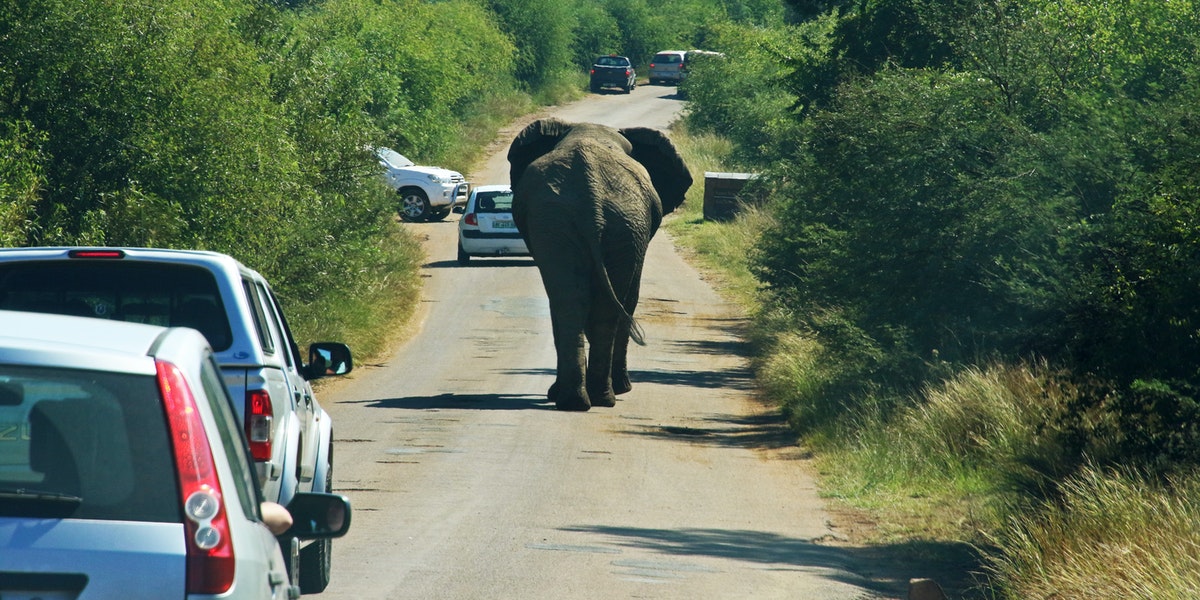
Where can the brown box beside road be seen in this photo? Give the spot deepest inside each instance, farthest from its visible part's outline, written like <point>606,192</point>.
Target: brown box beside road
<point>721,192</point>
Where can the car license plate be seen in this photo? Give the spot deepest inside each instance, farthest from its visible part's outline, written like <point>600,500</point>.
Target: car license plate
<point>504,225</point>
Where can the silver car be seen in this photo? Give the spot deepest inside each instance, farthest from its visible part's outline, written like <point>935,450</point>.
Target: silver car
<point>290,434</point>
<point>124,473</point>
<point>667,67</point>
<point>487,227</point>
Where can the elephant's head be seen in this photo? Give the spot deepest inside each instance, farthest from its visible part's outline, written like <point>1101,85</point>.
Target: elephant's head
<point>649,147</point>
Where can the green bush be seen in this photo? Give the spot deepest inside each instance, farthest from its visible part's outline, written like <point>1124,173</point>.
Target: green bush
<point>21,180</point>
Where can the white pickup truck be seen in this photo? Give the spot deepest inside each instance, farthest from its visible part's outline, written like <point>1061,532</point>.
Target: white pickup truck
<point>426,193</point>
<point>288,433</point>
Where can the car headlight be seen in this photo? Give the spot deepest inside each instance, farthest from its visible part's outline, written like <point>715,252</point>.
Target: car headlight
<point>438,178</point>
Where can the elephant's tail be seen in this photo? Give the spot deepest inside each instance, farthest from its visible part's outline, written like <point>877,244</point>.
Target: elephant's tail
<point>635,329</point>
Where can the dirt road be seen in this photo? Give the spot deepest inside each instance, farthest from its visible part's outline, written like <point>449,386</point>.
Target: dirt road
<point>466,482</point>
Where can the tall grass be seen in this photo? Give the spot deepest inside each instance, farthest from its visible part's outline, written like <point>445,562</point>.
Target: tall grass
<point>364,319</point>
<point>1113,534</point>
<point>713,243</point>
<point>982,456</point>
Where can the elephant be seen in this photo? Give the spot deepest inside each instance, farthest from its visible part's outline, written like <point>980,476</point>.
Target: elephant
<point>587,199</point>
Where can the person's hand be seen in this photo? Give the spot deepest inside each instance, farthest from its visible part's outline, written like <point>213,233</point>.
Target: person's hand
<point>276,517</point>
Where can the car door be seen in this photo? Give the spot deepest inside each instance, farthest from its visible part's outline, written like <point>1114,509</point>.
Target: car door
<point>261,562</point>
<point>279,480</point>
<point>306,405</point>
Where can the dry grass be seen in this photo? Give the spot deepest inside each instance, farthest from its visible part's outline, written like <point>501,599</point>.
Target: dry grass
<point>1114,534</point>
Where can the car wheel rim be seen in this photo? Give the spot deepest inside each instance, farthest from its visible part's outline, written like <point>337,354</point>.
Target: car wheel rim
<point>412,206</point>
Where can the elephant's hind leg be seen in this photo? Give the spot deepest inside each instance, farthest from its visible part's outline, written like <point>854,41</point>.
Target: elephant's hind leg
<point>600,333</point>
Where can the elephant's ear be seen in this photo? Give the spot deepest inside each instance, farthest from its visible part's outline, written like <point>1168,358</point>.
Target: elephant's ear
<point>668,173</point>
<point>538,138</point>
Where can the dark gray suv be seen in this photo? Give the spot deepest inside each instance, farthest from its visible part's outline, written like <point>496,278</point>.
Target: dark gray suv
<point>613,71</point>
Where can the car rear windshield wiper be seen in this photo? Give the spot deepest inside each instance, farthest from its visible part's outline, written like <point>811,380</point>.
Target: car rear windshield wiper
<point>27,495</point>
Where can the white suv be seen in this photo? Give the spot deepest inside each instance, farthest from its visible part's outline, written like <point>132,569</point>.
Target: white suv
<point>290,436</point>
<point>426,193</point>
<point>123,471</point>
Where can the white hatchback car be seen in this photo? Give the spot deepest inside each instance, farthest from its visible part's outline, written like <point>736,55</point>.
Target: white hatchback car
<point>487,227</point>
<point>124,472</point>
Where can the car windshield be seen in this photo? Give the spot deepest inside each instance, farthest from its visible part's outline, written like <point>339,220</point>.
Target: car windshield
<point>168,295</point>
<point>612,61</point>
<point>84,444</point>
<point>494,202</point>
<point>667,58</point>
<point>394,158</point>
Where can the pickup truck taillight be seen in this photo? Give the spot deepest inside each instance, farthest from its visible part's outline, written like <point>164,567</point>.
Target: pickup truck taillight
<point>258,423</point>
<point>210,560</point>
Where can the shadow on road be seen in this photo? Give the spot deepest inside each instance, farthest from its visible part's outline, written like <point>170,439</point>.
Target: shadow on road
<point>462,401</point>
<point>890,565</point>
<point>767,431</point>
<point>480,263</point>
<point>731,379</point>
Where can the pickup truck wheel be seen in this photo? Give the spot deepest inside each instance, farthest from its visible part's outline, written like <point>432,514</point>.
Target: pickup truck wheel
<point>414,205</point>
<point>316,559</point>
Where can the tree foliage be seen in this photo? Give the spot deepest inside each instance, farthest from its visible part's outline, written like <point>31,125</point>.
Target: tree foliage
<point>972,179</point>
<point>246,126</point>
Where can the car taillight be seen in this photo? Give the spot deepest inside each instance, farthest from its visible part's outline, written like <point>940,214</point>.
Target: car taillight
<point>259,415</point>
<point>471,219</point>
<point>627,72</point>
<point>651,65</point>
<point>592,72</point>
<point>210,560</point>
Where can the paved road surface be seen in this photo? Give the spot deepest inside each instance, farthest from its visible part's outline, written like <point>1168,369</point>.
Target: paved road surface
<point>466,483</point>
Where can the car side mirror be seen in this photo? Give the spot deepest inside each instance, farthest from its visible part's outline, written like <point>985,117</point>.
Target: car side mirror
<point>318,516</point>
<point>328,358</point>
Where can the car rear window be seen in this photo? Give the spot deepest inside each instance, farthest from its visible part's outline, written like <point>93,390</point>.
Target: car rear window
<point>667,58</point>
<point>494,202</point>
<point>170,295</point>
<point>612,61</point>
<point>85,445</point>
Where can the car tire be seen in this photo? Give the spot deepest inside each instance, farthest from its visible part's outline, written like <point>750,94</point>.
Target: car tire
<point>414,205</point>
<point>464,259</point>
<point>316,559</point>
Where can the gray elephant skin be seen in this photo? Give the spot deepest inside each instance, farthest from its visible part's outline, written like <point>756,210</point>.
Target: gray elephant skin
<point>587,199</point>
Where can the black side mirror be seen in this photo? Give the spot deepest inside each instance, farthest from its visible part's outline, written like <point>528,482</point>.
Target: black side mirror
<point>318,516</point>
<point>328,358</point>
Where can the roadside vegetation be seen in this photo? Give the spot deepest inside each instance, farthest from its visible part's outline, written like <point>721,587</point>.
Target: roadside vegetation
<point>971,255</point>
<point>977,284</point>
<point>247,126</point>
